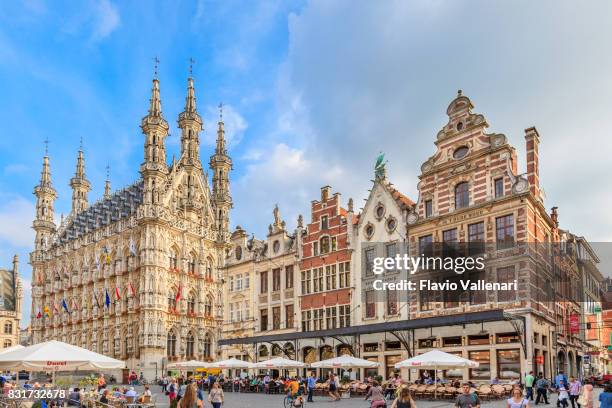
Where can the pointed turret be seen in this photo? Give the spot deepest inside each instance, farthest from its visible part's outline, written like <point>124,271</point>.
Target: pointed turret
<point>44,224</point>
<point>221,164</point>
<point>155,128</point>
<point>191,125</point>
<point>80,185</point>
<point>107,185</point>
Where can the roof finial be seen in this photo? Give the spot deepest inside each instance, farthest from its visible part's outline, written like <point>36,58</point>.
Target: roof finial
<point>220,111</point>
<point>81,144</point>
<point>46,141</point>
<point>107,171</point>
<point>107,186</point>
<point>459,93</point>
<point>156,61</point>
<point>191,62</point>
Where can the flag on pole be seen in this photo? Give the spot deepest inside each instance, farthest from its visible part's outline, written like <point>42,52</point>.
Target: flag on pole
<point>74,305</point>
<point>38,315</point>
<point>132,290</point>
<point>117,293</point>
<point>47,311</point>
<point>107,254</point>
<point>107,298</point>
<point>178,294</point>
<point>97,262</point>
<point>96,299</point>
<point>55,309</point>
<point>65,305</point>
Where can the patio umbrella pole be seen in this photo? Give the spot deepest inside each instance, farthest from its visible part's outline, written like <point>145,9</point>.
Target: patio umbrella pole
<point>436,382</point>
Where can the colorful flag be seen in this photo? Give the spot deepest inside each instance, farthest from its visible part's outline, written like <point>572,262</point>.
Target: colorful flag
<point>96,299</point>
<point>55,309</point>
<point>38,315</point>
<point>107,298</point>
<point>97,262</point>
<point>47,311</point>
<point>107,254</point>
<point>178,294</point>
<point>74,305</point>
<point>65,305</point>
<point>132,290</point>
<point>117,294</point>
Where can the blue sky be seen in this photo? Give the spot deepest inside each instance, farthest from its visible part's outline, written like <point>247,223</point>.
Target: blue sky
<point>313,91</point>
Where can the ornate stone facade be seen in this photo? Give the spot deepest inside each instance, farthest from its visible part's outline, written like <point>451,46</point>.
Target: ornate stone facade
<point>11,298</point>
<point>137,275</point>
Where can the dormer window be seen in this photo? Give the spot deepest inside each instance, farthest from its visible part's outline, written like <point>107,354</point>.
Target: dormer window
<point>238,253</point>
<point>459,126</point>
<point>460,152</point>
<point>380,211</point>
<point>276,246</point>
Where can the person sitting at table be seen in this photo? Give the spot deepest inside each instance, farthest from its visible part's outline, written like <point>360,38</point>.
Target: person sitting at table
<point>131,395</point>
<point>27,385</point>
<point>74,397</point>
<point>116,392</point>
<point>104,397</point>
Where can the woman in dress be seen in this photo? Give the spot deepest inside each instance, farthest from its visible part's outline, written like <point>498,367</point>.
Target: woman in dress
<point>517,400</point>
<point>215,396</point>
<point>190,399</point>
<point>587,396</point>
<point>404,400</point>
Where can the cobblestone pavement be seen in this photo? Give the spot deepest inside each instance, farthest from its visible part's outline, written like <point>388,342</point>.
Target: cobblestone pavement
<point>247,400</point>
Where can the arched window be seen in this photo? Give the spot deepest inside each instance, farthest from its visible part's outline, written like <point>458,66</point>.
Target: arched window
<point>209,268</point>
<point>8,328</point>
<point>171,301</point>
<point>263,351</point>
<point>192,264</point>
<point>173,259</point>
<point>324,245</point>
<point>462,195</point>
<point>207,346</point>
<point>171,344</point>
<point>189,346</point>
<point>208,306</point>
<point>191,303</point>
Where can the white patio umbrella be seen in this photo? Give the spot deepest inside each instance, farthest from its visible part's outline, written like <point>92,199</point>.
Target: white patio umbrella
<point>12,348</point>
<point>436,359</point>
<point>280,363</point>
<point>181,365</point>
<point>56,356</point>
<point>231,363</point>
<point>345,361</point>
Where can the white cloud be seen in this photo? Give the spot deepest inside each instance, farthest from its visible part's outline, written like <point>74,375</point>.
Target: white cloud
<point>107,19</point>
<point>234,123</point>
<point>16,215</point>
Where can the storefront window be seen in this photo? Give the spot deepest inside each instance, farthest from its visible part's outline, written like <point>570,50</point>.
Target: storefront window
<point>455,372</point>
<point>451,341</point>
<point>478,340</point>
<point>483,371</point>
<point>371,372</point>
<point>390,362</point>
<point>504,338</point>
<point>508,364</point>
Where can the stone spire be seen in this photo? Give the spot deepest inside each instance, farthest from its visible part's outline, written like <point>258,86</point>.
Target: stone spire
<point>221,164</point>
<point>44,224</point>
<point>107,184</point>
<point>155,128</point>
<point>190,123</point>
<point>80,185</point>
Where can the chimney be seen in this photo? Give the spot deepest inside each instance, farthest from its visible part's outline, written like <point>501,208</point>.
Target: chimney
<point>532,139</point>
<point>554,215</point>
<point>325,193</point>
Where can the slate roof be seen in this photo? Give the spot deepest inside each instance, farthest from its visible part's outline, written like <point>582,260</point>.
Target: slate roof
<point>122,204</point>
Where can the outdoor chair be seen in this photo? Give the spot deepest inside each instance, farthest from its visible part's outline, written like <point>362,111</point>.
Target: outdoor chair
<point>498,390</point>
<point>429,391</point>
<point>450,392</point>
<point>484,392</point>
<point>420,391</point>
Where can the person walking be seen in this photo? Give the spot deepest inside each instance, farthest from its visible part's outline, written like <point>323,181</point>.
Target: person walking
<point>541,389</point>
<point>517,400</point>
<point>586,399</point>
<point>563,395</point>
<point>376,393</point>
<point>215,396</point>
<point>333,387</point>
<point>310,385</point>
<point>101,382</point>
<point>190,399</point>
<point>467,399</point>
<point>404,400</point>
<point>529,380</point>
<point>574,391</point>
